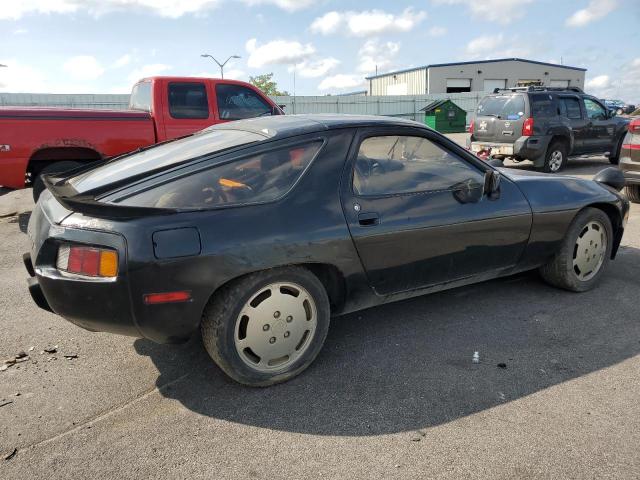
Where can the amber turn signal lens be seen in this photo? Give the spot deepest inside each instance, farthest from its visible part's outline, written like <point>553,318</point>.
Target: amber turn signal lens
<point>108,263</point>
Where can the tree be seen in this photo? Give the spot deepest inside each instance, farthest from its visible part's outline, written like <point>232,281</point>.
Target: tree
<point>267,85</point>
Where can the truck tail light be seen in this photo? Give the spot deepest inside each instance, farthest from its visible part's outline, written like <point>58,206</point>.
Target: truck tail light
<point>527,127</point>
<point>634,127</point>
<point>471,126</point>
<point>88,261</point>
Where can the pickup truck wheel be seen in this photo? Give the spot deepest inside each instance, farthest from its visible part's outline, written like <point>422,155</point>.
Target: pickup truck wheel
<point>556,157</point>
<point>267,327</point>
<point>57,167</point>
<point>633,193</point>
<point>584,253</point>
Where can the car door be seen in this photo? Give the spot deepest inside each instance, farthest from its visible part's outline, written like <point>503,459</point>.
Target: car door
<point>418,215</point>
<point>570,109</point>
<point>187,109</point>
<point>601,127</point>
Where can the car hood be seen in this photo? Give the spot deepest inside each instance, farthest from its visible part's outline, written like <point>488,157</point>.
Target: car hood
<point>552,192</point>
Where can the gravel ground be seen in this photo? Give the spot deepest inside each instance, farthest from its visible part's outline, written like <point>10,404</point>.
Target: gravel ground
<point>394,393</point>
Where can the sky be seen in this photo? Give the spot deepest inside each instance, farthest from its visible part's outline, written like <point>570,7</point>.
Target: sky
<point>104,46</point>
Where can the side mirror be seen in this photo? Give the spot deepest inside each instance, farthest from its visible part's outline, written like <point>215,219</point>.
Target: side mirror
<point>492,184</point>
<point>612,113</point>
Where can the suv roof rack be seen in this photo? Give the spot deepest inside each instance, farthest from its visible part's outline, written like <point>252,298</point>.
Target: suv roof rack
<point>537,88</point>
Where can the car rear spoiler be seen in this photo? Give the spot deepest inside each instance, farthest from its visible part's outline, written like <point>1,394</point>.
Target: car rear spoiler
<point>87,203</point>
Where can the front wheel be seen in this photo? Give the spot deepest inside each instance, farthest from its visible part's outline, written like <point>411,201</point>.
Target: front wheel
<point>633,193</point>
<point>614,157</point>
<point>556,157</point>
<point>267,327</point>
<point>584,253</point>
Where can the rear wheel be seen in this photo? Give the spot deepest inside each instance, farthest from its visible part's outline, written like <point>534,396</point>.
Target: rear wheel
<point>267,327</point>
<point>584,253</point>
<point>556,157</point>
<point>56,167</point>
<point>633,193</point>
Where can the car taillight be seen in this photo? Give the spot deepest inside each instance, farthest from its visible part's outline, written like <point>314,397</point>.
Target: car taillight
<point>471,126</point>
<point>527,127</point>
<point>88,261</point>
<point>634,126</point>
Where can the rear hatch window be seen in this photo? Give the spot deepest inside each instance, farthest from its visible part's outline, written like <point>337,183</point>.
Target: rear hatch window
<point>507,107</point>
<point>161,157</point>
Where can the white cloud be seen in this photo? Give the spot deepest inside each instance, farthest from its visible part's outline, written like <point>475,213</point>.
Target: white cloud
<point>500,11</point>
<point>367,22</point>
<point>495,46</point>
<point>341,82</point>
<point>277,52</point>
<point>596,10</point>
<point>20,31</point>
<point>437,31</point>
<point>149,70</point>
<point>20,78</point>
<point>288,5</point>
<point>83,67</point>
<point>484,44</point>
<point>315,68</point>
<point>376,54</point>
<point>599,82</point>
<point>123,61</point>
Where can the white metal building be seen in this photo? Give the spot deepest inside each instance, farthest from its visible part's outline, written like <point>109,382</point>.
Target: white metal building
<point>482,75</point>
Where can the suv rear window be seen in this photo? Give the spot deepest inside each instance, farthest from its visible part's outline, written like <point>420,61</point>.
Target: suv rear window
<point>510,107</point>
<point>162,156</point>
<point>258,178</point>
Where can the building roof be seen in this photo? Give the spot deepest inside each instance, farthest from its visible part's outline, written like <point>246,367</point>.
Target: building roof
<point>424,67</point>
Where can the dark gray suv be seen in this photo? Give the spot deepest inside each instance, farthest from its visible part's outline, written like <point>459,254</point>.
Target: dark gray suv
<point>545,125</point>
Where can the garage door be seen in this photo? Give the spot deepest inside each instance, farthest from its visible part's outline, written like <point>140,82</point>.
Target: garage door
<point>559,83</point>
<point>490,85</point>
<point>455,85</point>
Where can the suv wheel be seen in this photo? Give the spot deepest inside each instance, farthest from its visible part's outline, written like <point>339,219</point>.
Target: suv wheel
<point>556,157</point>
<point>633,193</point>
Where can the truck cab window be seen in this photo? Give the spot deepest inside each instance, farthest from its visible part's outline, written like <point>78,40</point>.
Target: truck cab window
<point>188,100</point>
<point>236,102</point>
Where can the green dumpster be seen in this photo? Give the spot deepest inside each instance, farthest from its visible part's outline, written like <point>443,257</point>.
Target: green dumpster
<point>445,116</point>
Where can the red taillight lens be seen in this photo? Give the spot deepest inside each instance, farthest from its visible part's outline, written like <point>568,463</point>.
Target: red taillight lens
<point>634,126</point>
<point>87,261</point>
<point>527,127</point>
<point>167,297</point>
<point>471,126</point>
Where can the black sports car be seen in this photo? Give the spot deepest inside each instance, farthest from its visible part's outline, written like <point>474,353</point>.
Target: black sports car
<point>257,231</point>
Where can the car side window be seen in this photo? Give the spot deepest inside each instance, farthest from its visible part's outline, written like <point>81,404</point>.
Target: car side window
<point>595,111</point>
<point>395,164</point>
<point>258,178</point>
<point>188,100</point>
<point>236,102</point>
<point>542,106</point>
<point>570,107</point>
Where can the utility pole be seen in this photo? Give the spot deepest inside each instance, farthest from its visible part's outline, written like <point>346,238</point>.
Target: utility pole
<point>221,65</point>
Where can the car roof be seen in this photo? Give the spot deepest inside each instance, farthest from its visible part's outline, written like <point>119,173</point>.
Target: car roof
<point>279,126</point>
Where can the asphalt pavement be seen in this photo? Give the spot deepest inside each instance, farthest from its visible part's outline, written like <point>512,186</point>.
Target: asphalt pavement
<point>395,393</point>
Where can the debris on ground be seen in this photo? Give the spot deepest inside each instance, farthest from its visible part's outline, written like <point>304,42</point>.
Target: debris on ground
<point>31,349</point>
<point>51,349</point>
<point>4,403</point>
<point>476,357</point>
<point>71,356</point>
<point>21,354</point>
<point>11,455</point>
<point>502,365</point>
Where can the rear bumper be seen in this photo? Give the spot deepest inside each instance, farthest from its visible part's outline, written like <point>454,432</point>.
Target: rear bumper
<point>630,170</point>
<point>531,148</point>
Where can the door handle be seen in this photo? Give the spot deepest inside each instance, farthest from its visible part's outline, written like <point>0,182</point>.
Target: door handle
<point>368,219</point>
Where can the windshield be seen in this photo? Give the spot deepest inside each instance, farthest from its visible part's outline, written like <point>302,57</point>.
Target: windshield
<point>162,156</point>
<point>510,107</point>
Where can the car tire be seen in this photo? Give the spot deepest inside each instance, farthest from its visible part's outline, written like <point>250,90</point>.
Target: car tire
<point>633,193</point>
<point>56,167</point>
<point>555,158</point>
<point>614,157</point>
<point>282,312</point>
<point>582,258</point>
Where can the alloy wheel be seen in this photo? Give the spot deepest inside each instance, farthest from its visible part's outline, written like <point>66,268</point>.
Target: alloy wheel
<point>589,250</point>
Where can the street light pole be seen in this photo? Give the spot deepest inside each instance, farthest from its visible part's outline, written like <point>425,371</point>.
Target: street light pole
<point>221,65</point>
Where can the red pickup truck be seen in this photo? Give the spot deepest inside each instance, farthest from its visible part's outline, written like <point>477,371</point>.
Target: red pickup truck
<point>36,141</point>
